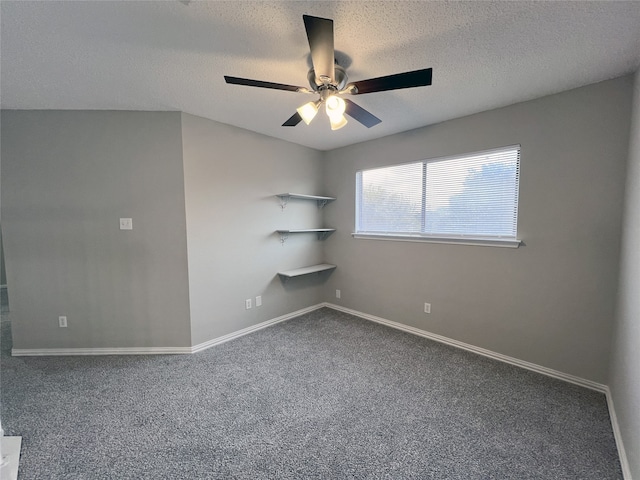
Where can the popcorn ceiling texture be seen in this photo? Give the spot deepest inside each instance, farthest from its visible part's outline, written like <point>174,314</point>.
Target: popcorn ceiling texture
<point>173,55</point>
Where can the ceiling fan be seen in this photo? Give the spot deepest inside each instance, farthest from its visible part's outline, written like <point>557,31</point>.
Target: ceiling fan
<point>329,81</point>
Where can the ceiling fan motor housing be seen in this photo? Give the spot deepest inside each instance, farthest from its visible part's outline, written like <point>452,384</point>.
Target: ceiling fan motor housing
<point>338,84</point>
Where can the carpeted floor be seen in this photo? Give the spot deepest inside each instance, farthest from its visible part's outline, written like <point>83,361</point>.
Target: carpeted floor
<point>322,396</point>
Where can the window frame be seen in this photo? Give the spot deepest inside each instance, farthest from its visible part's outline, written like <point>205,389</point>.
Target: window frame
<point>456,239</point>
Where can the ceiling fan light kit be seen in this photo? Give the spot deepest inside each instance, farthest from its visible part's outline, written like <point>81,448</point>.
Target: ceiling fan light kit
<point>336,107</point>
<point>308,111</point>
<point>329,80</point>
<point>337,122</point>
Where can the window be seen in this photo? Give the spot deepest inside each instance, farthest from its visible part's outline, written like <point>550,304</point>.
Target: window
<point>471,198</point>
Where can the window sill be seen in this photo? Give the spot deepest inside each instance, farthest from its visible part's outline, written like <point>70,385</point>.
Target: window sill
<point>483,242</point>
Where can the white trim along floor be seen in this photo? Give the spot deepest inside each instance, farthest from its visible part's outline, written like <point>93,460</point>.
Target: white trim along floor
<point>415,331</point>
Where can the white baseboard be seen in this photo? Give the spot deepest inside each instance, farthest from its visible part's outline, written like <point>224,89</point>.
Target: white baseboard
<point>622,454</point>
<point>39,352</point>
<point>254,328</point>
<point>480,351</point>
<point>399,326</point>
<point>36,352</point>
<point>17,352</point>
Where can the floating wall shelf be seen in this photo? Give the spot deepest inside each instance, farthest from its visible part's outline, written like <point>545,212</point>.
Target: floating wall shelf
<point>298,272</point>
<point>321,232</point>
<point>285,197</point>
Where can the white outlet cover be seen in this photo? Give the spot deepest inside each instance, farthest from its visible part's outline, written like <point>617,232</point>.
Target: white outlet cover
<point>126,224</point>
<point>259,301</point>
<point>247,303</point>
<point>338,293</point>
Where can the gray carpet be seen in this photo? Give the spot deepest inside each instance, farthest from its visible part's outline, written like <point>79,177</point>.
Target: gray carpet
<point>323,396</point>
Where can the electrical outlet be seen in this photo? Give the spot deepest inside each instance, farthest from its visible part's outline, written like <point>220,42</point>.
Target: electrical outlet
<point>338,293</point>
<point>247,303</point>
<point>259,301</point>
<point>427,308</point>
<point>62,322</point>
<point>126,224</point>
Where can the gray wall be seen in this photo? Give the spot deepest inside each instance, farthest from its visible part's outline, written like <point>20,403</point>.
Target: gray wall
<point>3,273</point>
<point>67,178</point>
<point>195,185</point>
<point>550,302</point>
<point>231,176</point>
<point>624,379</point>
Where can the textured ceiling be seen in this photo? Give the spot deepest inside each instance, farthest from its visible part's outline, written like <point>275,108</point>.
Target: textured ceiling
<point>172,55</point>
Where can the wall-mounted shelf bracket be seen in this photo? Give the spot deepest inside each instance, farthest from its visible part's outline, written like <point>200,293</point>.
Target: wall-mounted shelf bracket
<point>285,197</point>
<point>321,232</point>
<point>322,202</point>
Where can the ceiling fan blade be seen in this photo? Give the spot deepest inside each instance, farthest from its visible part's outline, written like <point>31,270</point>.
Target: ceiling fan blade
<point>259,83</point>
<point>417,78</point>
<point>294,120</point>
<point>320,36</point>
<point>358,113</point>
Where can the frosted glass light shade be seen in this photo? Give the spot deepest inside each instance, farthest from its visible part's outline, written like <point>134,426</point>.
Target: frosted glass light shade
<point>335,106</point>
<point>337,121</point>
<point>308,111</point>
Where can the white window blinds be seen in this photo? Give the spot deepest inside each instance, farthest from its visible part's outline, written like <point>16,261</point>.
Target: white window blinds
<point>469,196</point>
